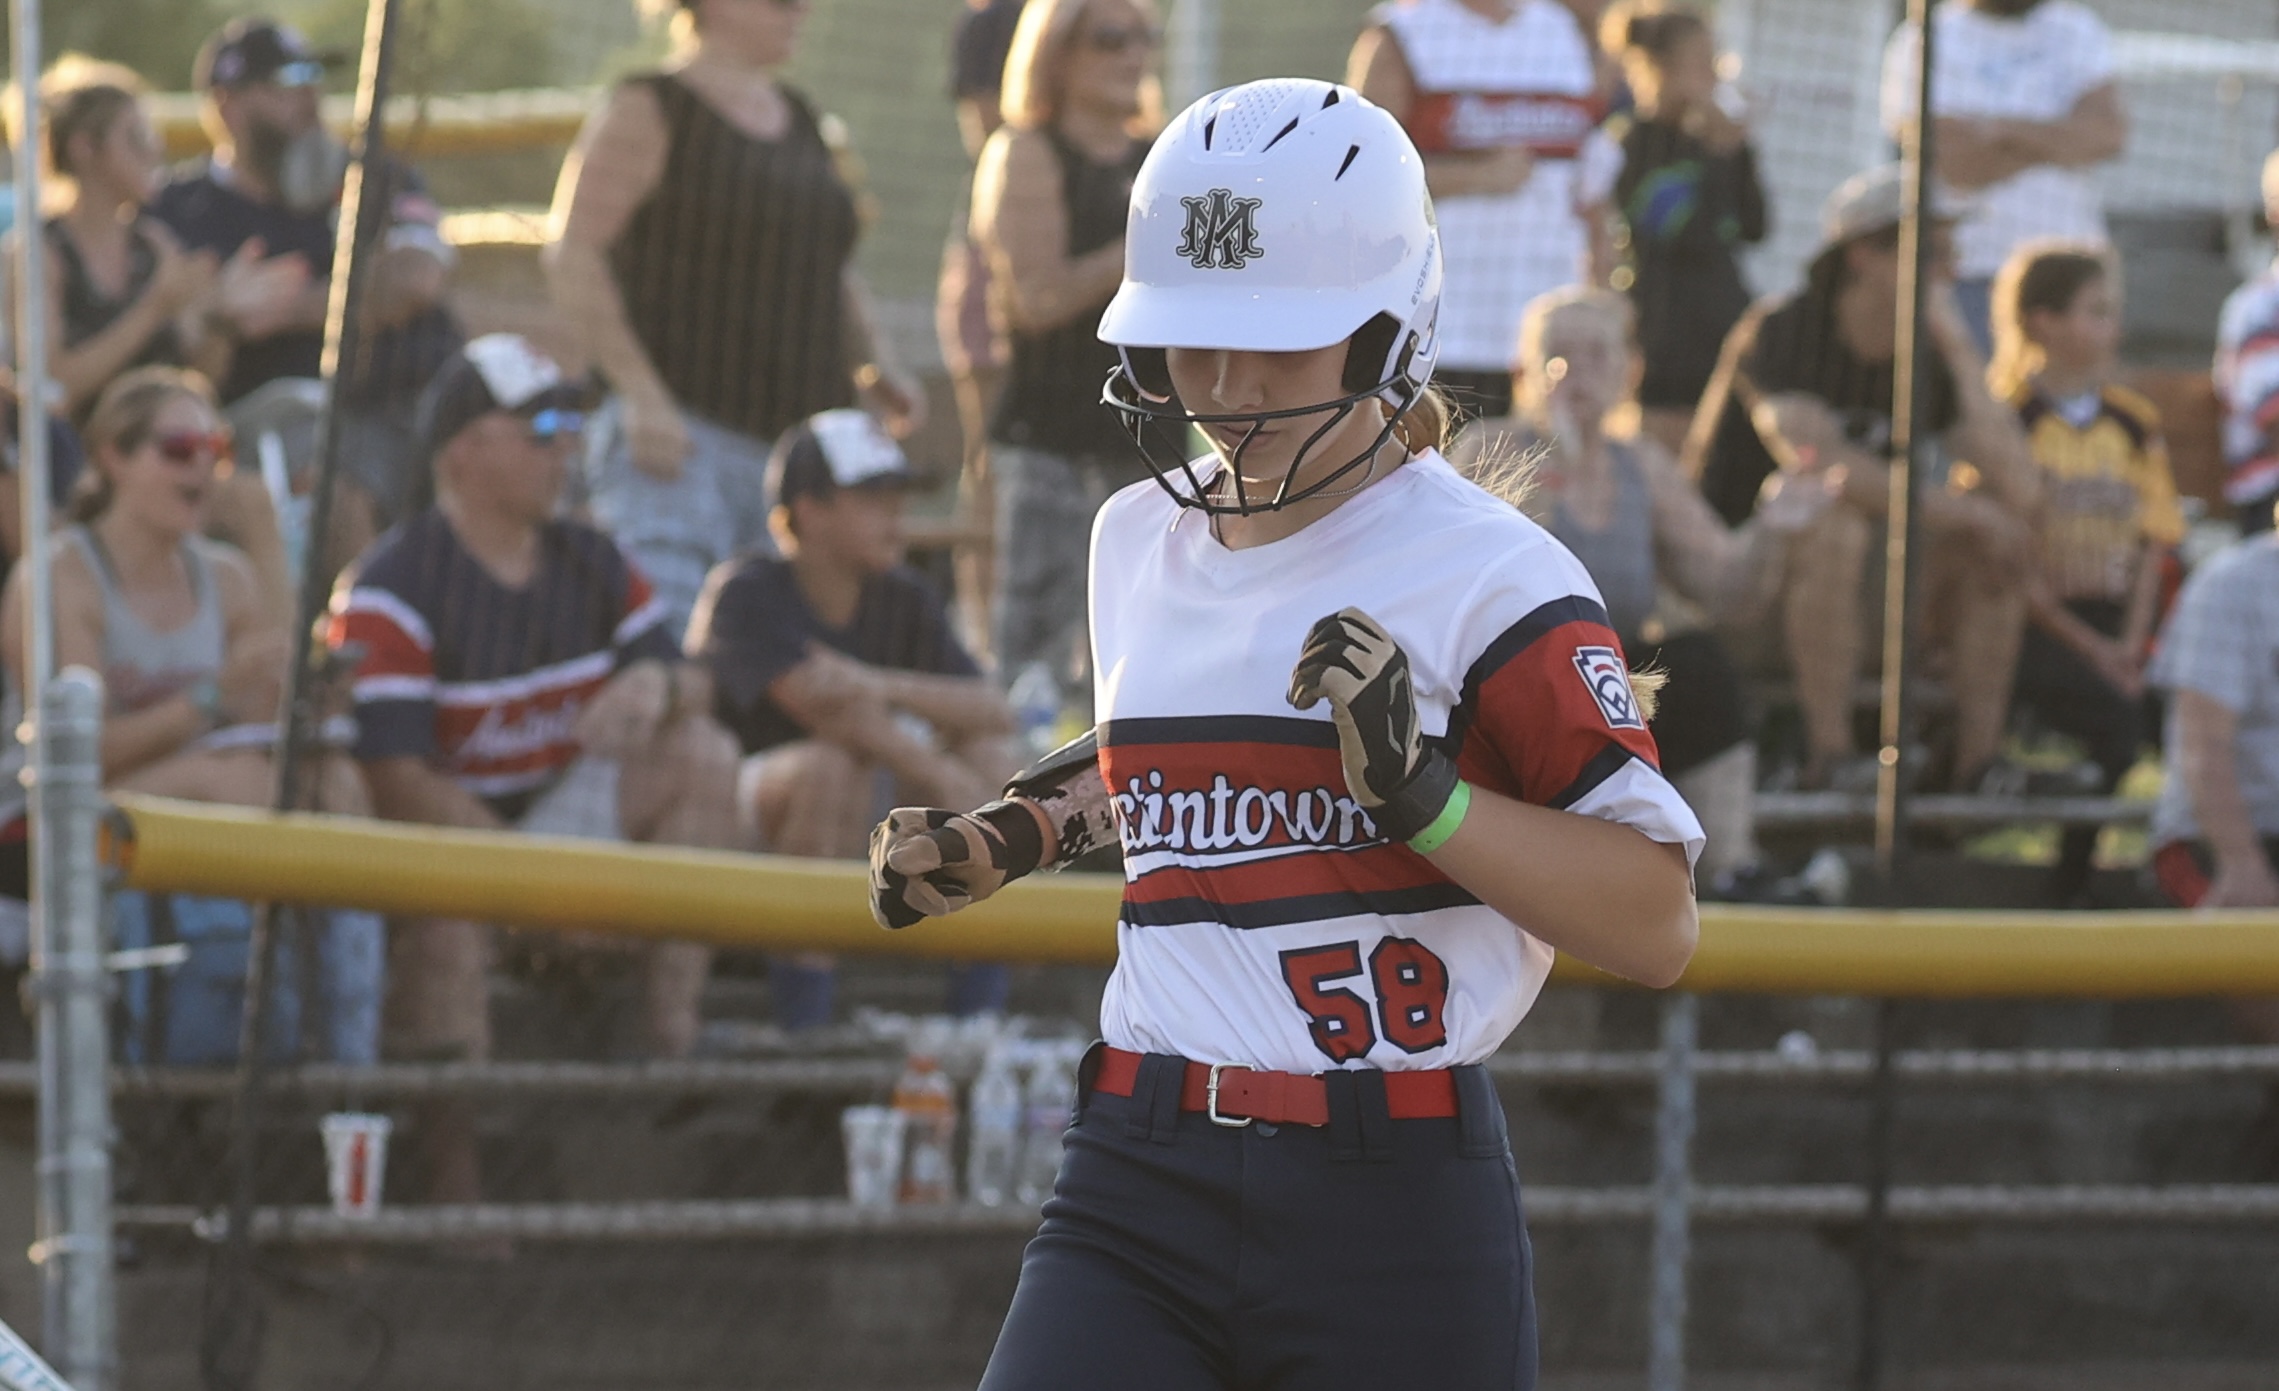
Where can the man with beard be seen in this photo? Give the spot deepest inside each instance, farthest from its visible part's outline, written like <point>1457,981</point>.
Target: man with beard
<point>2027,108</point>
<point>266,201</point>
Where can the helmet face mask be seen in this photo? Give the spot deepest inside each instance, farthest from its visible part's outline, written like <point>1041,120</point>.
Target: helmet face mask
<point>1281,216</point>
<point>1139,392</point>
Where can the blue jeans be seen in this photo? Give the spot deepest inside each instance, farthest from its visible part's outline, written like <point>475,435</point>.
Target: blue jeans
<point>1975,297</point>
<point>677,530</point>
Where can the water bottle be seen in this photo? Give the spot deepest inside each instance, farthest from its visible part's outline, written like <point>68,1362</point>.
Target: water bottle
<point>993,1130</point>
<point>928,1105</point>
<point>1035,699</point>
<point>1048,1099</point>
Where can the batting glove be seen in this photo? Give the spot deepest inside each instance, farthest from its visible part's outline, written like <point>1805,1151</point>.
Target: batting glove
<point>1357,667</point>
<point>926,862</point>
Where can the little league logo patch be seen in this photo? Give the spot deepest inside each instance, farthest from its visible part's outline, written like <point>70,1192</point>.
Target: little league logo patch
<point>1609,682</point>
<point>1222,231</point>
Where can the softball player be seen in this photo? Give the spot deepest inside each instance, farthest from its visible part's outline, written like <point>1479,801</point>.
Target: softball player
<point>1371,753</point>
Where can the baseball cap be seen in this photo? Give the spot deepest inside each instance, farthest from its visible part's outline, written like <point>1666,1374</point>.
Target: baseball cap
<point>1870,201</point>
<point>254,49</point>
<point>835,449</point>
<point>496,372</point>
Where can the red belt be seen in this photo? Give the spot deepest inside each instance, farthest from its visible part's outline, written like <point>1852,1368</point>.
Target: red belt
<point>1234,1095</point>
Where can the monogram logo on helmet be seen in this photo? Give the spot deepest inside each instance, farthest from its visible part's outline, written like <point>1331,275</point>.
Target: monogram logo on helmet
<point>1221,233</point>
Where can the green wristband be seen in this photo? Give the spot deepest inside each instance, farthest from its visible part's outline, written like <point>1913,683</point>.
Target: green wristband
<point>1443,826</point>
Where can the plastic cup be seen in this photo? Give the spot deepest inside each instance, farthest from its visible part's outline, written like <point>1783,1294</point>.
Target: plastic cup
<point>873,1136</point>
<point>356,1160</point>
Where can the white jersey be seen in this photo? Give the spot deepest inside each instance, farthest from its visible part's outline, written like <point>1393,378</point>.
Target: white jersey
<point>1481,85</point>
<point>2032,68</point>
<point>1265,921</point>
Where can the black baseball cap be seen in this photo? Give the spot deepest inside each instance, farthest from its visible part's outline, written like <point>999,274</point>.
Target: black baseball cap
<point>255,49</point>
<point>496,372</point>
<point>835,449</point>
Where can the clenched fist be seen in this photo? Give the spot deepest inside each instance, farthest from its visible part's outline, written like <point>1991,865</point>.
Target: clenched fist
<point>926,862</point>
<point>1357,667</point>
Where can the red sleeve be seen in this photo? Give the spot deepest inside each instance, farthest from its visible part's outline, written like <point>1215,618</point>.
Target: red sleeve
<point>1547,712</point>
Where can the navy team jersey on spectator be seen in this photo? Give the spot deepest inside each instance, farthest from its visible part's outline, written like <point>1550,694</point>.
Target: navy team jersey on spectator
<point>1263,910</point>
<point>752,626</point>
<point>206,213</point>
<point>483,680</point>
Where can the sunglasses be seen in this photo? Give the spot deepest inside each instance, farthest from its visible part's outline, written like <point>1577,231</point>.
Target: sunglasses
<point>1113,39</point>
<point>192,447</point>
<point>550,425</point>
<point>301,74</point>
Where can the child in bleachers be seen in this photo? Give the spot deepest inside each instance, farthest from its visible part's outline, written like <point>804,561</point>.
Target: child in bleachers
<point>2108,510</point>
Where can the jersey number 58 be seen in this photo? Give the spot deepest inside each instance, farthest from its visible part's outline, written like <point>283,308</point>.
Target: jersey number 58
<point>1412,995</point>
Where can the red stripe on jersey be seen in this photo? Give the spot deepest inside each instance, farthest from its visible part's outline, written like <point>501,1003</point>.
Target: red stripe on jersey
<point>1547,711</point>
<point>529,733</point>
<point>1551,125</point>
<point>388,649</point>
<point>1252,827</point>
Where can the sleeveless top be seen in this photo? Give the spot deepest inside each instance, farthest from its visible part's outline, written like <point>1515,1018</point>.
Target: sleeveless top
<point>142,666</point>
<point>1620,556</point>
<point>1052,391</point>
<point>87,310</point>
<point>1529,81</point>
<point>732,271</point>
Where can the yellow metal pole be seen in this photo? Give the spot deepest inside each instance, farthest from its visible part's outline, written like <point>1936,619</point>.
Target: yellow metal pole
<point>819,905</point>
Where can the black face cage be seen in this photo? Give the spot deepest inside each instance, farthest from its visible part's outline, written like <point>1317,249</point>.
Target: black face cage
<point>1158,424</point>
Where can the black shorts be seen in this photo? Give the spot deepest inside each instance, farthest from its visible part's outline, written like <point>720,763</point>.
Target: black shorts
<point>1181,1255</point>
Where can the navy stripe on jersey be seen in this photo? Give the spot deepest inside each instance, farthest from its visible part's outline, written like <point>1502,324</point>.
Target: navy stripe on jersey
<point>1245,821</point>
<point>1221,729</point>
<point>1608,762</point>
<point>1304,908</point>
<point>1529,725</point>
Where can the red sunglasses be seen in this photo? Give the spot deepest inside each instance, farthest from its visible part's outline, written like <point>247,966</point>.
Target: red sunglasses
<point>192,446</point>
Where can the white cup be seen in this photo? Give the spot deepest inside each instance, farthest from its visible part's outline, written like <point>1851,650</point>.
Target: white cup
<point>356,1161</point>
<point>873,1136</point>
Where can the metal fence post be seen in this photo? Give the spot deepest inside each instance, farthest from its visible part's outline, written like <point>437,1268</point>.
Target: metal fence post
<point>74,1251</point>
<point>1673,1194</point>
<point>1191,67</point>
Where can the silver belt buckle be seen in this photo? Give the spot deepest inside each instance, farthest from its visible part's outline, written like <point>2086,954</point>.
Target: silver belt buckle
<point>1211,1099</point>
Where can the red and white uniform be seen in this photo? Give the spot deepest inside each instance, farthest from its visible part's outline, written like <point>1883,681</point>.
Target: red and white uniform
<point>1265,922</point>
<point>1480,85</point>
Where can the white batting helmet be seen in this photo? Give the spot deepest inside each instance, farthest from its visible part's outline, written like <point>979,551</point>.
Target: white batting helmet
<point>1278,216</point>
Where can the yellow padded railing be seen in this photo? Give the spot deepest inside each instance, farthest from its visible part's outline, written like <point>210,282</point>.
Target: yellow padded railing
<point>772,902</point>
<point>484,123</point>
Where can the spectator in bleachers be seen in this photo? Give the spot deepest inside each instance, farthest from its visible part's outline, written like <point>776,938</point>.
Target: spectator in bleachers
<point>2247,383</point>
<point>2215,831</point>
<point>193,658</point>
<point>1640,527</point>
<point>2108,518</point>
<point>1049,204</point>
<point>842,677</point>
<point>191,653</point>
<point>121,292</point>
<point>973,348</point>
<point>1503,99</point>
<point>265,202</point>
<point>517,671</point>
<point>1688,197</point>
<point>703,255</point>
<point>1809,376</point>
<point>2027,107</point>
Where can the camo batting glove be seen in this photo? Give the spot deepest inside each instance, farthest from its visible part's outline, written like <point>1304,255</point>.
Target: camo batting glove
<point>1357,667</point>
<point>926,862</point>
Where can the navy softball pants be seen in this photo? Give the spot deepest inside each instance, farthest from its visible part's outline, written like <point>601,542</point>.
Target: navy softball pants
<point>1181,1255</point>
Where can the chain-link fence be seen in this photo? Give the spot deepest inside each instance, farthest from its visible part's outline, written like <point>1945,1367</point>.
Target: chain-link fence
<point>598,1171</point>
